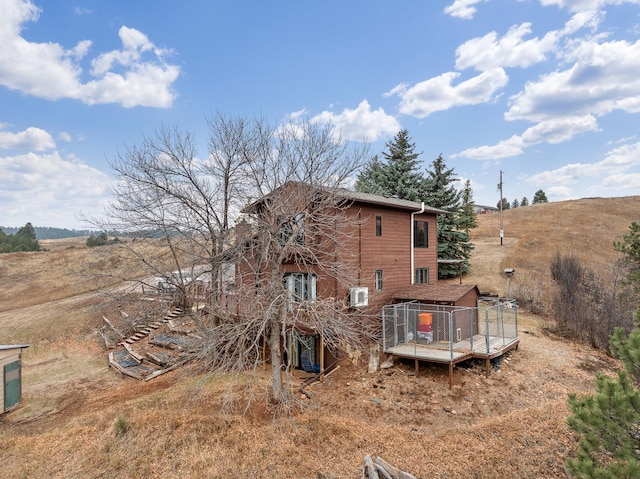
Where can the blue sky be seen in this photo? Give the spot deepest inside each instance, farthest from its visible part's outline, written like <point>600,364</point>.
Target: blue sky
<point>548,91</point>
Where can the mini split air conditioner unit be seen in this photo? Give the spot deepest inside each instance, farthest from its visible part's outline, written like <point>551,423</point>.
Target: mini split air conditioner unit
<point>359,297</point>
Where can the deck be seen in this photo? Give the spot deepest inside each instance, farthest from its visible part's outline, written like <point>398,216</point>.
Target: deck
<point>484,347</point>
<point>450,334</point>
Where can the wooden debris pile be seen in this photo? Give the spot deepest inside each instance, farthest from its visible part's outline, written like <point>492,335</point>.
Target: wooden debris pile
<point>378,468</point>
<point>153,349</point>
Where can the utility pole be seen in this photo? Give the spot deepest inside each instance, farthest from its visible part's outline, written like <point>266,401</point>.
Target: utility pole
<point>500,188</point>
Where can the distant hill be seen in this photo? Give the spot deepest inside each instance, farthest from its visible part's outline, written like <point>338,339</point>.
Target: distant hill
<point>45,232</point>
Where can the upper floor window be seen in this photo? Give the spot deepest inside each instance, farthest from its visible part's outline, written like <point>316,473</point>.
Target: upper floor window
<point>291,226</point>
<point>378,225</point>
<point>378,280</point>
<point>420,234</point>
<point>300,286</point>
<point>422,275</point>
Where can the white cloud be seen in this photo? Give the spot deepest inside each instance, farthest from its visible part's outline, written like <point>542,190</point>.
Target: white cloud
<point>603,78</point>
<point>488,52</point>
<point>622,181</point>
<point>563,192</point>
<point>136,75</point>
<point>552,131</point>
<point>513,50</point>
<point>64,136</point>
<point>504,149</point>
<point>32,138</point>
<point>439,93</point>
<point>361,123</point>
<point>582,5</point>
<point>612,171</point>
<point>44,189</point>
<point>464,9</point>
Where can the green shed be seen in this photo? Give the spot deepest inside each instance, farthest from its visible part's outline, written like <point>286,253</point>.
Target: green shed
<point>10,375</point>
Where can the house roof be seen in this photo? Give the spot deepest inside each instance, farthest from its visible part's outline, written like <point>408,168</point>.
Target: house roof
<point>13,346</point>
<point>357,197</point>
<point>439,293</point>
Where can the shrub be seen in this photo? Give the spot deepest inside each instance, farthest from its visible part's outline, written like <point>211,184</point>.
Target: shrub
<point>121,425</point>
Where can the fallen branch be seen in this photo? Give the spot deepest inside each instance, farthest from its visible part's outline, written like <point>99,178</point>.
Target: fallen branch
<point>116,330</point>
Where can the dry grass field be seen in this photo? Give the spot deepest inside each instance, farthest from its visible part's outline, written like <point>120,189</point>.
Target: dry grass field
<point>78,418</point>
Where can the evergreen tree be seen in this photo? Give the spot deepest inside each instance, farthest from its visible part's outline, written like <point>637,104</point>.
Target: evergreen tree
<point>630,247</point>
<point>27,232</point>
<point>524,201</point>
<point>515,203</point>
<point>453,241</point>
<point>398,176</point>
<point>609,420</point>
<point>540,197</point>
<point>468,219</point>
<point>23,240</point>
<point>372,178</point>
<point>505,204</point>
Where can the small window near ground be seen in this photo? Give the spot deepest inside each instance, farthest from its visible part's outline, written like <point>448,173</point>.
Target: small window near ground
<point>422,275</point>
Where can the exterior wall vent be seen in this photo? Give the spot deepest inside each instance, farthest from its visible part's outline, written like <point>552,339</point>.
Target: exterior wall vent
<point>359,297</point>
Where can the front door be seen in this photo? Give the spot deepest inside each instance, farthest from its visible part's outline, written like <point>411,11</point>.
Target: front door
<point>11,385</point>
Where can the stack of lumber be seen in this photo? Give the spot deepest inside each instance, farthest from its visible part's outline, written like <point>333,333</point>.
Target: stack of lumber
<point>378,468</point>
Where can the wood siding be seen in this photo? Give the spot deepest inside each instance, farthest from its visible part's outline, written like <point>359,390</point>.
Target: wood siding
<point>7,356</point>
<point>390,252</point>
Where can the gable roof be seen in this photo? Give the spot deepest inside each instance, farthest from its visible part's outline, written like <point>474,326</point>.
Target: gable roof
<point>13,346</point>
<point>353,196</point>
<point>435,293</point>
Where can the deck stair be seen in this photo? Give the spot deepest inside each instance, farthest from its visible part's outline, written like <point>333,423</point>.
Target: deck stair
<point>156,350</point>
<point>146,330</point>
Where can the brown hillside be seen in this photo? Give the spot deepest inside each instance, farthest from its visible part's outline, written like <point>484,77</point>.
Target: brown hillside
<point>512,424</point>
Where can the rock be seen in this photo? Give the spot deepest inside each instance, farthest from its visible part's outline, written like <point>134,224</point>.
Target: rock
<point>447,408</point>
<point>387,363</point>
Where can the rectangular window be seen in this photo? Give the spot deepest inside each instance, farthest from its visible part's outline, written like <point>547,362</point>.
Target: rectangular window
<point>420,234</point>
<point>422,275</point>
<point>291,227</point>
<point>378,225</point>
<point>378,280</point>
<point>300,286</point>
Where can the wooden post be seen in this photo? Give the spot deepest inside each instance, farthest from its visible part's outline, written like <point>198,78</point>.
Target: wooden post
<point>451,375</point>
<point>291,364</point>
<point>321,357</point>
<point>417,366</point>
<point>487,366</point>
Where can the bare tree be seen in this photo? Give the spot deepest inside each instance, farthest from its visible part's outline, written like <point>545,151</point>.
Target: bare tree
<point>288,248</point>
<point>180,204</point>
<point>288,180</point>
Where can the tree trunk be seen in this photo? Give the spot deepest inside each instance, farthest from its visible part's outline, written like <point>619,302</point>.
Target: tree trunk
<point>276,360</point>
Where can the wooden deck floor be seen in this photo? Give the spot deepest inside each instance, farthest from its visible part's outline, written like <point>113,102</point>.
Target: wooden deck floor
<point>462,350</point>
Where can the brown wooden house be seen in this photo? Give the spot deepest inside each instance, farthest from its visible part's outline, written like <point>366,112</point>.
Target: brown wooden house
<point>386,246</point>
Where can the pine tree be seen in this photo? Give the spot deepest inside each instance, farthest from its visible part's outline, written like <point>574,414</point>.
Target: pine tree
<point>515,203</point>
<point>609,420</point>
<point>524,201</point>
<point>398,176</point>
<point>540,197</point>
<point>505,204</point>
<point>453,241</point>
<point>372,178</point>
<point>630,247</point>
<point>468,219</point>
